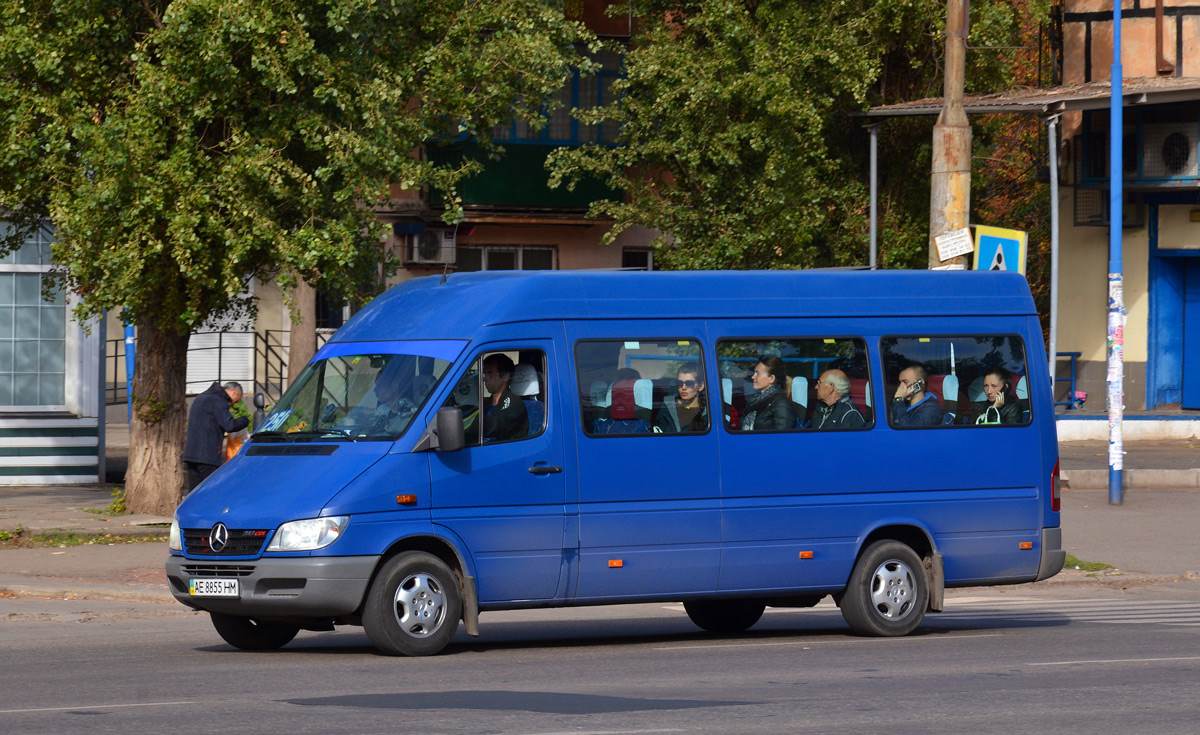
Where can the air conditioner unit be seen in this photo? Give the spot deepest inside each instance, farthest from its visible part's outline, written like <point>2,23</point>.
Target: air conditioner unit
<point>1169,150</point>
<point>434,245</point>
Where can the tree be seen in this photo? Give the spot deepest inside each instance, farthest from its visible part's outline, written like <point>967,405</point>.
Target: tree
<point>737,140</point>
<point>182,147</point>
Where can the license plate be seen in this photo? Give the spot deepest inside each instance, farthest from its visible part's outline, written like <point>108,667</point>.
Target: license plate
<point>213,587</point>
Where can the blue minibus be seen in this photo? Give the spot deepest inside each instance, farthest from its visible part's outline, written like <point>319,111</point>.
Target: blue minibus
<point>727,440</point>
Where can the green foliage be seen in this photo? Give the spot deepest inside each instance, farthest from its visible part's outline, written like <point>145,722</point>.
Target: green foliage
<point>182,148</point>
<point>736,139</point>
<point>117,506</point>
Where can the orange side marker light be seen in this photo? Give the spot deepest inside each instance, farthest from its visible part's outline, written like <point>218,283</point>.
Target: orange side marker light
<point>615,563</point>
<point>1025,545</point>
<point>406,499</point>
<point>806,555</point>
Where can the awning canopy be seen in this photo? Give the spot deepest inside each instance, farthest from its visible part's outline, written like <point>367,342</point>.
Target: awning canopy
<point>1054,100</point>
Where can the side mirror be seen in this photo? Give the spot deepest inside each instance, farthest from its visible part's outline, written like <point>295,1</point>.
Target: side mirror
<point>450,429</point>
<point>445,434</point>
<point>260,402</point>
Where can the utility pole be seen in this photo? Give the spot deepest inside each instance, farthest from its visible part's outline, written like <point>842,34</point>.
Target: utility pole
<point>1116,270</point>
<point>950,183</point>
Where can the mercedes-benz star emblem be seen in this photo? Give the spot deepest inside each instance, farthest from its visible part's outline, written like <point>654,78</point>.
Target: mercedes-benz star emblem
<point>218,538</point>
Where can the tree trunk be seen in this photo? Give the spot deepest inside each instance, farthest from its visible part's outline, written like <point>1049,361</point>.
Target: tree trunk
<point>304,328</point>
<point>155,478</point>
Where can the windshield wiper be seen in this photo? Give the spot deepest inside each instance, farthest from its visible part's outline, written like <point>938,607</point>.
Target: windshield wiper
<point>326,432</point>
<point>270,435</point>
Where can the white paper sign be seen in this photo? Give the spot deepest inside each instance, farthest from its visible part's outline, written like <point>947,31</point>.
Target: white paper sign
<point>954,243</point>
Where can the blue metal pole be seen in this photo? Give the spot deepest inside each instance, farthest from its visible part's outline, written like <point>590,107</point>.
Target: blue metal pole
<point>130,361</point>
<point>1116,298</point>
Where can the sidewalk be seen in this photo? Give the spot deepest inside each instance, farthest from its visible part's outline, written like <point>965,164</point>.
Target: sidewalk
<point>1151,536</point>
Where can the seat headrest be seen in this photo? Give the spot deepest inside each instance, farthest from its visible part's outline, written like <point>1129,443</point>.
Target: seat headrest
<point>524,380</point>
<point>623,403</point>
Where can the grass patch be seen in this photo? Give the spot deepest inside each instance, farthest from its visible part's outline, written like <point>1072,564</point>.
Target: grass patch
<point>116,508</point>
<point>22,539</point>
<point>1087,566</point>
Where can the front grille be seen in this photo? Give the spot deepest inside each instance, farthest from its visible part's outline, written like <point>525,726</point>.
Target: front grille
<point>242,542</point>
<point>217,570</point>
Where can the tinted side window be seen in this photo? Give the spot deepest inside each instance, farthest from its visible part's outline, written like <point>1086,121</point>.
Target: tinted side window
<point>642,387</point>
<point>795,384</point>
<point>972,380</point>
<point>502,396</point>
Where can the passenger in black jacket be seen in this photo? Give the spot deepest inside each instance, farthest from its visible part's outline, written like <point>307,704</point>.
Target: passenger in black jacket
<point>505,416</point>
<point>834,409</point>
<point>1001,406</point>
<point>769,409</point>
<point>688,411</point>
<point>208,422</point>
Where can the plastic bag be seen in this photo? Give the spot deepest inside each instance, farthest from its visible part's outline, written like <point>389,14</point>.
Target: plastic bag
<point>233,443</point>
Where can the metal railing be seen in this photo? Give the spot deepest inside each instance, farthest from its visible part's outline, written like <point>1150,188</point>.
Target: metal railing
<point>269,362</point>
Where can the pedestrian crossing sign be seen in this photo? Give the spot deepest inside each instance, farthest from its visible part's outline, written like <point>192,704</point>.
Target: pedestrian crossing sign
<point>997,249</point>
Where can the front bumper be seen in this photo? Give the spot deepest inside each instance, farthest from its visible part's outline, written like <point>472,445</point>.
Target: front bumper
<point>305,587</point>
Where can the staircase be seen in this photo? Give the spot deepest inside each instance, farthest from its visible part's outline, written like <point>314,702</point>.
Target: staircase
<point>48,449</point>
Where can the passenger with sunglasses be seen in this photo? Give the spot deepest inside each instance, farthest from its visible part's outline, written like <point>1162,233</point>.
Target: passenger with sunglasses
<point>688,411</point>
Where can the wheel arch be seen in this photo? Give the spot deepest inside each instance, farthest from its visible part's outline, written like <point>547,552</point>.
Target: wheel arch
<point>448,553</point>
<point>917,538</point>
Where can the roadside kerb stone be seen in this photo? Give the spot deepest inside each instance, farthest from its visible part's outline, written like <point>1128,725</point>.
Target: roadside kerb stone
<point>1133,479</point>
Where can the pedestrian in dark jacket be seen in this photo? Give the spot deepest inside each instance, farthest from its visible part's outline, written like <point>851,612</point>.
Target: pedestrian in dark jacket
<point>834,409</point>
<point>1001,406</point>
<point>912,406</point>
<point>769,409</point>
<point>688,411</point>
<point>208,422</point>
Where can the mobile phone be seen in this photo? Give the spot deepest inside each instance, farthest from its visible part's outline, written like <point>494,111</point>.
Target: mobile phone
<point>916,387</point>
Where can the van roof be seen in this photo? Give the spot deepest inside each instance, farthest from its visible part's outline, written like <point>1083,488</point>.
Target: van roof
<point>427,308</point>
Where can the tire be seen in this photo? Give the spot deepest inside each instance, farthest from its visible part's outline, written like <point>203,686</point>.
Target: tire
<point>725,616</point>
<point>253,635</point>
<point>413,606</point>
<point>888,591</point>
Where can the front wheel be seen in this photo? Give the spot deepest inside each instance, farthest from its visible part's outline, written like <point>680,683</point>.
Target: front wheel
<point>413,606</point>
<point>252,635</point>
<point>725,616</point>
<point>888,591</point>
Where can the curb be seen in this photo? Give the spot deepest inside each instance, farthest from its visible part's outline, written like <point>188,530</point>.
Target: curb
<point>1132,479</point>
<point>87,592</point>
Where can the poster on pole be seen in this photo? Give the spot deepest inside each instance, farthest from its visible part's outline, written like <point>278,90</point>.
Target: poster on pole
<point>954,243</point>
<point>998,249</point>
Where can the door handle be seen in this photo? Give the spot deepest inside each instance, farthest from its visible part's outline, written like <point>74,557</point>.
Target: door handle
<point>542,469</point>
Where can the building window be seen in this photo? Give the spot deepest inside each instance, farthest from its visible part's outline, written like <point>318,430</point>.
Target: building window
<point>504,258</point>
<point>32,328</point>
<point>637,259</point>
<point>581,92</point>
<point>331,311</point>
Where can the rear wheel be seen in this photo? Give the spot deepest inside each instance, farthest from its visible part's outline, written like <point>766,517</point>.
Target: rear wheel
<point>253,635</point>
<point>888,592</point>
<point>725,616</point>
<point>413,606</point>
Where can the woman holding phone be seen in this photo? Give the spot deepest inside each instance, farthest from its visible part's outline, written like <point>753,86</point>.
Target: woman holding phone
<point>1001,405</point>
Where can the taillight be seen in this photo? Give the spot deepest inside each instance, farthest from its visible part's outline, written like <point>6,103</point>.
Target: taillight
<point>1055,497</point>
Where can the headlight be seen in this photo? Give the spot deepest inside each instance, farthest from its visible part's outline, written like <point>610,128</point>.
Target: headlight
<point>175,540</point>
<point>309,534</point>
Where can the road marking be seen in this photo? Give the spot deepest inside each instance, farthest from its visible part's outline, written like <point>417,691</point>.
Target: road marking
<point>607,732</point>
<point>816,642</point>
<point>91,706</point>
<point>1115,661</point>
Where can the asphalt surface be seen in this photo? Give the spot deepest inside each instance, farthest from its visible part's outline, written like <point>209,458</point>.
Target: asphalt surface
<point>1151,536</point>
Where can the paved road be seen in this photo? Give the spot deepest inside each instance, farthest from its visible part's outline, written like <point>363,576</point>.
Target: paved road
<point>1064,660</point>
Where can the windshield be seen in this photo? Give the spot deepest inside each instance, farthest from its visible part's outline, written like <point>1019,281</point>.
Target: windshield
<point>353,398</point>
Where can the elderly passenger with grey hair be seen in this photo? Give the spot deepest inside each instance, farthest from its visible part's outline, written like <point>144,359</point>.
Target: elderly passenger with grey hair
<point>835,410</point>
